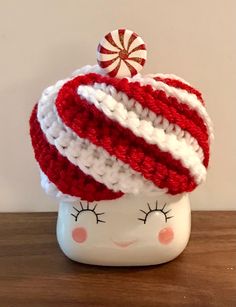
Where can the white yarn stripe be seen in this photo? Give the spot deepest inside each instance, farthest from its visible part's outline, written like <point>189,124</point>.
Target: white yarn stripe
<point>116,110</point>
<point>192,101</point>
<point>167,76</point>
<point>92,160</point>
<point>88,69</point>
<point>148,115</point>
<point>52,190</point>
<point>183,97</point>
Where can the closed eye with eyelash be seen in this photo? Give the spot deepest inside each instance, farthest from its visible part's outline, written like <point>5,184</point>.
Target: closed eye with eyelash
<point>156,209</point>
<point>86,208</point>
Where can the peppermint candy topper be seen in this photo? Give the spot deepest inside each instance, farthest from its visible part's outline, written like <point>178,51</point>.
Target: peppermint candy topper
<point>121,53</point>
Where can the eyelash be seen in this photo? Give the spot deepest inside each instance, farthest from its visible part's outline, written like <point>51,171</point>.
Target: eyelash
<point>83,209</point>
<point>153,210</point>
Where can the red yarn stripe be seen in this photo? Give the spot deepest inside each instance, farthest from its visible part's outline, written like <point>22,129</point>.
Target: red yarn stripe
<point>181,85</point>
<point>90,123</point>
<point>68,178</point>
<point>169,107</point>
<point>158,102</point>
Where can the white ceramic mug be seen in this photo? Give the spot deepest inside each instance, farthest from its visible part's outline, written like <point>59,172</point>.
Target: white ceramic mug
<point>129,231</point>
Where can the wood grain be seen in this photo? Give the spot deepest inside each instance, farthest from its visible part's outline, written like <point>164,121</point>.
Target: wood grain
<point>34,272</point>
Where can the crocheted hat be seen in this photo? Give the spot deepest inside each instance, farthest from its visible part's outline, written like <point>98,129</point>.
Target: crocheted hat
<point>108,130</point>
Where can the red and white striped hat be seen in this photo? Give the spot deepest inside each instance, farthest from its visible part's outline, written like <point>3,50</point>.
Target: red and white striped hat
<point>96,136</point>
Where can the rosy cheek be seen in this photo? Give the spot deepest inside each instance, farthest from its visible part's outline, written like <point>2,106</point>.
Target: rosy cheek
<point>166,235</point>
<point>79,234</point>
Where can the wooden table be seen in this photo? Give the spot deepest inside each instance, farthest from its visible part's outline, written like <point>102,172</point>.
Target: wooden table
<point>34,272</point>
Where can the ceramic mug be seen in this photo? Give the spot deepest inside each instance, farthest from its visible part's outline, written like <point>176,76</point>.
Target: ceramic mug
<point>129,231</point>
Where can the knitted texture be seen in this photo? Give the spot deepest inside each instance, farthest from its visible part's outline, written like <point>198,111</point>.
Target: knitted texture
<point>97,137</point>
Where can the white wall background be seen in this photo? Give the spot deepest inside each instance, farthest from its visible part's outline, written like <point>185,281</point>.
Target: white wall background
<point>42,41</point>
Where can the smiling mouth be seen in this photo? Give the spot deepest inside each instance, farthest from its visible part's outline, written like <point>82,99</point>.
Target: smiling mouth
<point>124,243</point>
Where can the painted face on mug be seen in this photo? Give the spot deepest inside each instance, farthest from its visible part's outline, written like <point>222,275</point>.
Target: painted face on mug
<point>132,230</point>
